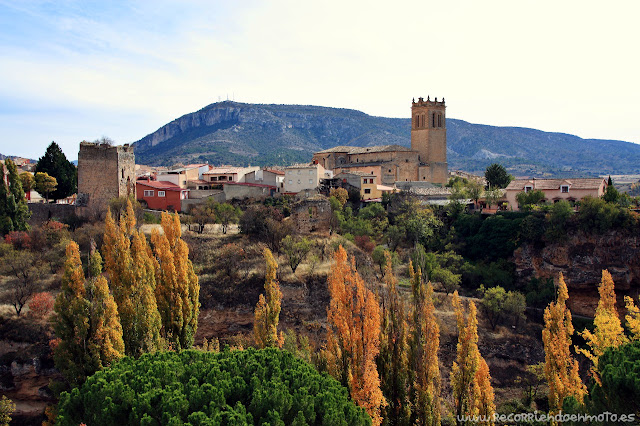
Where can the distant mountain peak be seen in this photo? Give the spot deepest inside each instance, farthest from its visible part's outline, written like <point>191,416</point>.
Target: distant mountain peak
<point>230,132</point>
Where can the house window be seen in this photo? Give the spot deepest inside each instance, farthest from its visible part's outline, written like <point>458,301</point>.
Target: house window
<point>564,189</point>
<point>310,172</point>
<point>528,188</point>
<point>367,191</point>
<point>290,181</point>
<point>160,193</point>
<point>310,181</point>
<point>148,193</point>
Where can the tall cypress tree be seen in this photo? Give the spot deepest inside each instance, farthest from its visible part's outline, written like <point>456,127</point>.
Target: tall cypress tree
<point>21,213</point>
<point>55,163</point>
<point>14,213</point>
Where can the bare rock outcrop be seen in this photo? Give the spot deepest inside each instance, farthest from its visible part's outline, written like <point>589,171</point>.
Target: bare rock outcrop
<point>581,258</point>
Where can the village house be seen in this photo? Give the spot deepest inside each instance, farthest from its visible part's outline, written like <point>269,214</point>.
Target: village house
<point>302,177</point>
<point>185,177</point>
<point>368,184</point>
<point>269,177</point>
<point>217,175</point>
<point>161,195</point>
<point>571,190</point>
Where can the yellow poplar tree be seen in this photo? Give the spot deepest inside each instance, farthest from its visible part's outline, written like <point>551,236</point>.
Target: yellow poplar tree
<point>353,335</point>
<point>129,266</point>
<point>485,401</point>
<point>267,312</point>
<point>608,330</point>
<point>560,369</point>
<point>71,322</point>
<point>393,360</point>
<point>472,391</point>
<point>425,342</point>
<point>147,322</point>
<point>107,335</point>
<point>177,291</point>
<point>86,320</point>
<point>633,318</point>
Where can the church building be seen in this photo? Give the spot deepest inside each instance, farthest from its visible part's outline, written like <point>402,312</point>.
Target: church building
<point>426,161</point>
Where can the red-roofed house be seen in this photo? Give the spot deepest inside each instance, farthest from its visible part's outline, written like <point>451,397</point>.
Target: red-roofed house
<point>161,195</point>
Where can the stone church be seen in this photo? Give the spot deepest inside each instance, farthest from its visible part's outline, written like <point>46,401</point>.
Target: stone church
<point>426,161</point>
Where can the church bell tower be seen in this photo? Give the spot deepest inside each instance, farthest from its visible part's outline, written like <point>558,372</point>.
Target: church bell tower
<point>429,138</point>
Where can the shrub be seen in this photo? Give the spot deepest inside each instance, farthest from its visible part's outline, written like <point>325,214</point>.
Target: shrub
<point>20,240</point>
<point>364,242</point>
<point>230,387</point>
<point>41,305</point>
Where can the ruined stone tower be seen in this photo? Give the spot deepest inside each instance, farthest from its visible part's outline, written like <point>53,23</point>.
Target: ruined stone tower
<point>104,172</point>
<point>429,139</point>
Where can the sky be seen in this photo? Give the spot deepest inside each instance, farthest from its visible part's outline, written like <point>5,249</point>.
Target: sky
<point>79,70</point>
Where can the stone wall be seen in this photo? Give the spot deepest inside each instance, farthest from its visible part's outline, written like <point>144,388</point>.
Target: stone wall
<point>312,215</point>
<point>41,212</point>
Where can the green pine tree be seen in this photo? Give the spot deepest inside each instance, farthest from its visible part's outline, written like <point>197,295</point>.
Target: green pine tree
<point>55,164</point>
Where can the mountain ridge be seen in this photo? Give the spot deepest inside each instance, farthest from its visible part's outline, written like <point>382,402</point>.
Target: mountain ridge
<point>230,132</point>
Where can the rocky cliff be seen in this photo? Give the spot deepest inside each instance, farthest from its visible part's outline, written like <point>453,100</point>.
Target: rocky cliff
<point>581,259</point>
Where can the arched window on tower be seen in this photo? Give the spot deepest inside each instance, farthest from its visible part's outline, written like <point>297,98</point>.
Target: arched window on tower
<point>439,120</point>
<point>433,120</point>
<point>423,125</point>
<point>417,121</point>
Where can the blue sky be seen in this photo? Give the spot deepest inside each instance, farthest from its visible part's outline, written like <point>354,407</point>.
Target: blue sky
<point>79,70</point>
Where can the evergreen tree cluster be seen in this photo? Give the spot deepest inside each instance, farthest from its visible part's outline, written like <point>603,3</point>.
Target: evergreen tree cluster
<point>252,386</point>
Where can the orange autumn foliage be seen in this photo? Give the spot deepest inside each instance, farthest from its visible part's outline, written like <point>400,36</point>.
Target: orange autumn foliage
<point>353,335</point>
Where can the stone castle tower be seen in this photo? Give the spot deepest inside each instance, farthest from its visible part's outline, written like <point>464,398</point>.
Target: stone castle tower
<point>429,139</point>
<point>104,172</point>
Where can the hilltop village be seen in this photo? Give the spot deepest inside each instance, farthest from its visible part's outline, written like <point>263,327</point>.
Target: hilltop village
<point>106,171</point>
<point>378,265</point>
